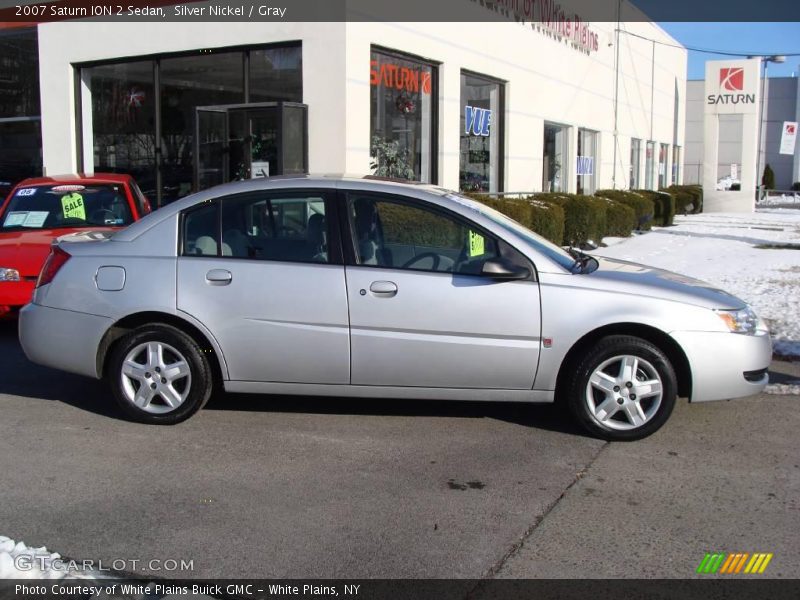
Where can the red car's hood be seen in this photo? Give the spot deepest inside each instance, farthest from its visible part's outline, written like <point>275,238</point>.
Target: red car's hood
<point>26,250</point>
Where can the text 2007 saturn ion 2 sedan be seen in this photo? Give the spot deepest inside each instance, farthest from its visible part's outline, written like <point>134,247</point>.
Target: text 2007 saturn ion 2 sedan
<point>359,287</point>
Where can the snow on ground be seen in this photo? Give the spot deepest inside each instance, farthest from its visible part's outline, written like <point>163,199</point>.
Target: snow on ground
<point>721,248</point>
<point>17,561</point>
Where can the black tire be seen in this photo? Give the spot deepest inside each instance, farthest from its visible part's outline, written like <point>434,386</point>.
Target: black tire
<point>576,382</point>
<point>201,379</point>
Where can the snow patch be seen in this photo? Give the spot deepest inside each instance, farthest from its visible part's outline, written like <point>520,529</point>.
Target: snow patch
<point>720,248</point>
<point>18,561</point>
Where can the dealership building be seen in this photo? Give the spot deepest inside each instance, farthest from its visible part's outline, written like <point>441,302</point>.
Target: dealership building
<point>502,105</point>
<point>781,105</point>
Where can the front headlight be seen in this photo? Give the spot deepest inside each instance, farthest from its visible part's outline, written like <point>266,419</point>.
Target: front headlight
<point>740,321</point>
<point>9,274</point>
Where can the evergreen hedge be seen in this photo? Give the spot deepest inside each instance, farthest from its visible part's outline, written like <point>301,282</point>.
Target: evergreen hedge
<point>643,207</point>
<point>688,198</point>
<point>544,218</point>
<point>584,217</point>
<point>664,205</point>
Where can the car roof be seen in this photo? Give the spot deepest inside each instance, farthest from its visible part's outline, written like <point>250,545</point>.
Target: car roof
<point>77,178</point>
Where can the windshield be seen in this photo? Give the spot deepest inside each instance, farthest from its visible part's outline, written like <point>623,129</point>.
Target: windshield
<point>74,205</point>
<point>542,245</point>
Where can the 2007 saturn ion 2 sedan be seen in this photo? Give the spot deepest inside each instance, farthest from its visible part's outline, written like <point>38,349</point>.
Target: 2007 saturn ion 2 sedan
<point>359,287</point>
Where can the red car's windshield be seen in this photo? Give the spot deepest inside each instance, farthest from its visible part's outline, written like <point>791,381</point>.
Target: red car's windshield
<point>72,205</point>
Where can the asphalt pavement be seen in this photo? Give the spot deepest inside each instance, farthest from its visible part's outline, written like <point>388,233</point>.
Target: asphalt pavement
<point>260,486</point>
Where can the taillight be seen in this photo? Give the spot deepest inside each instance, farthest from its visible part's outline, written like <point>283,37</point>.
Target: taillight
<point>55,260</point>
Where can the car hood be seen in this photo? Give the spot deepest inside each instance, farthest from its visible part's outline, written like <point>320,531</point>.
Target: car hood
<point>629,277</point>
<point>27,250</point>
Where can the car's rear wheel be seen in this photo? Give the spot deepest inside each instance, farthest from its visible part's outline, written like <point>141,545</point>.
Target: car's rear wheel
<point>159,375</point>
<point>623,388</point>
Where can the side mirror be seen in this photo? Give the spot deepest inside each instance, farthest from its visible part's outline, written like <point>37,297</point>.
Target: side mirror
<point>502,269</point>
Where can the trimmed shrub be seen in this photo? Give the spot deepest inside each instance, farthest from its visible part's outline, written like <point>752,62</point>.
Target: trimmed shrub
<point>643,207</point>
<point>544,218</point>
<point>795,186</point>
<point>686,195</point>
<point>620,218</point>
<point>584,217</point>
<point>768,178</point>
<point>664,205</point>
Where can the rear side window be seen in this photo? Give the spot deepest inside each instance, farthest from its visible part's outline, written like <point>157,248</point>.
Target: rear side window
<point>201,231</point>
<point>291,227</point>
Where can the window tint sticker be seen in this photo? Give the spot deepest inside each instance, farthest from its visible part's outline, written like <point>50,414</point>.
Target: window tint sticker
<point>477,245</point>
<point>26,192</point>
<point>35,218</point>
<point>72,206</point>
<point>15,218</point>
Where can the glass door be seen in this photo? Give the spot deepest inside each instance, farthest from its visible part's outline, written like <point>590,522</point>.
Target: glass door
<point>212,147</point>
<point>245,141</point>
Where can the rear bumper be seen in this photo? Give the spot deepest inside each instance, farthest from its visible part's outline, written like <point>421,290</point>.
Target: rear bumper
<point>726,365</point>
<point>14,295</point>
<point>62,339</point>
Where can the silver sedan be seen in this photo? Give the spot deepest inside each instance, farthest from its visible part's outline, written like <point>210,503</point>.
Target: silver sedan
<point>357,287</point>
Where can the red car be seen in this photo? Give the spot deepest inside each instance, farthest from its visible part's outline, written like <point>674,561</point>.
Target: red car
<point>41,209</point>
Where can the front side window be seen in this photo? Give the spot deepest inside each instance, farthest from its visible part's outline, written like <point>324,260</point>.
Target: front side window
<point>587,161</point>
<point>402,94</point>
<point>60,206</point>
<point>481,167</point>
<point>391,233</point>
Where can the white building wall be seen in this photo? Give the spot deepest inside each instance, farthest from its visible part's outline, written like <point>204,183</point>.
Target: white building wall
<point>547,81</point>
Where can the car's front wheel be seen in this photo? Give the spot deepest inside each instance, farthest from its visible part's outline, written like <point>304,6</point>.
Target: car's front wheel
<point>623,388</point>
<point>159,375</point>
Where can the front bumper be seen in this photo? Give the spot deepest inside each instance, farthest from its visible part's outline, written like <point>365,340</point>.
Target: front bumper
<point>62,339</point>
<point>726,365</point>
<point>14,295</point>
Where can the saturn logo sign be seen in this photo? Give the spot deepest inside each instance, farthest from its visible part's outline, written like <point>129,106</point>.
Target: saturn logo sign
<point>731,79</point>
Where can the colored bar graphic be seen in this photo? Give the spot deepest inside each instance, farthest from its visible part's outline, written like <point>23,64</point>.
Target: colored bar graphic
<point>733,563</point>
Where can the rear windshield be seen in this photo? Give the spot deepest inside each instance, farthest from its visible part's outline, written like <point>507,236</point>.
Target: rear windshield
<point>54,206</point>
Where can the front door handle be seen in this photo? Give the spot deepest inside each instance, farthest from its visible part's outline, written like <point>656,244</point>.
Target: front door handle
<point>219,277</point>
<point>383,289</point>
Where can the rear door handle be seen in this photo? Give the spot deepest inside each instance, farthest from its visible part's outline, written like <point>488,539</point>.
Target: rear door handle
<point>219,277</point>
<point>383,289</point>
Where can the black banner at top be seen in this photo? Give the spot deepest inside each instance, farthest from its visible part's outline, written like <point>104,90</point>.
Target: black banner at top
<point>545,11</point>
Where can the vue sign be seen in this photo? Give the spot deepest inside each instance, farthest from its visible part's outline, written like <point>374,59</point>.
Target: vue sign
<point>477,120</point>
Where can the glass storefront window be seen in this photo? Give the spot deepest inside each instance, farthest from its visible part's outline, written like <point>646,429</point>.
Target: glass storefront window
<point>123,121</point>
<point>586,161</point>
<point>19,73</point>
<point>481,160</point>
<point>676,165</point>
<point>188,82</point>
<point>663,151</point>
<point>20,123</point>
<point>124,98</point>
<point>402,96</point>
<point>554,158</point>
<point>648,165</point>
<point>636,155</point>
<point>276,74</point>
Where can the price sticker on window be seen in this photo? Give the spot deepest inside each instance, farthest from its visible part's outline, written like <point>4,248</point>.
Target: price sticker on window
<point>72,206</point>
<point>477,245</point>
